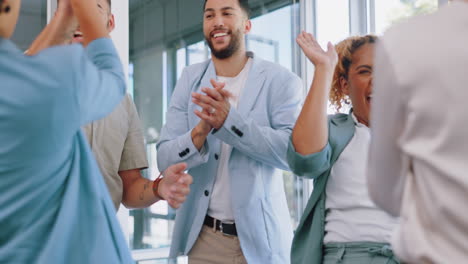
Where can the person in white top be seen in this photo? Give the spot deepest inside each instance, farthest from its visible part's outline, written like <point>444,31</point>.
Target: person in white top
<point>418,157</point>
<point>340,224</point>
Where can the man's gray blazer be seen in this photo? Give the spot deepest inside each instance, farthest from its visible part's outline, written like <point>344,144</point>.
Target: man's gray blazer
<point>258,130</point>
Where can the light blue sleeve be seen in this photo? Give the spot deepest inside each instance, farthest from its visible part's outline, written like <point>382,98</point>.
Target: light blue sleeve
<point>100,81</point>
<point>176,135</point>
<point>267,144</point>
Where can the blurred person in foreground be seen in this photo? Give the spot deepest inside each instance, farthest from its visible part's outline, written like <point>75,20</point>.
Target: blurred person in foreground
<point>54,206</point>
<point>418,156</point>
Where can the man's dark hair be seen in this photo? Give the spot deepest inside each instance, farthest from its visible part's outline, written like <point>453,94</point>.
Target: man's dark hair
<point>244,4</point>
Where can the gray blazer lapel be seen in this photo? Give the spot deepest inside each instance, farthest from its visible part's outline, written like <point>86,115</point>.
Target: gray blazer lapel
<point>209,74</point>
<point>254,84</point>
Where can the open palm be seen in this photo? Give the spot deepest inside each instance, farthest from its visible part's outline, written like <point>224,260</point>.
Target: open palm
<point>315,53</point>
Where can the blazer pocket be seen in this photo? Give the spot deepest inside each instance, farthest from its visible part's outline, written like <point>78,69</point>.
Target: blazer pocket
<point>268,220</point>
<point>252,223</point>
<point>278,228</point>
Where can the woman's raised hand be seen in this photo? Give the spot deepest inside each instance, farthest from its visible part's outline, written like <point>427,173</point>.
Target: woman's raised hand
<point>315,53</point>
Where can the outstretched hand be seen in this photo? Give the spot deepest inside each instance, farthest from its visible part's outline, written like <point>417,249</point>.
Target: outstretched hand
<point>175,186</point>
<point>315,53</point>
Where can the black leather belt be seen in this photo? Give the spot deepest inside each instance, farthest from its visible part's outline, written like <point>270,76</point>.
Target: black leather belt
<point>227,229</point>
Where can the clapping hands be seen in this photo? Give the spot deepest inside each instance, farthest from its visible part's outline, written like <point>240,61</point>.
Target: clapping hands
<point>215,104</point>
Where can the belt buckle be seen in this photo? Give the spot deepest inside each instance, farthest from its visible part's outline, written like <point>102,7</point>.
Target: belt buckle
<point>222,231</point>
<point>221,226</point>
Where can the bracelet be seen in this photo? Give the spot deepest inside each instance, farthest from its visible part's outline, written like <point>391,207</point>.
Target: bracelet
<point>156,185</point>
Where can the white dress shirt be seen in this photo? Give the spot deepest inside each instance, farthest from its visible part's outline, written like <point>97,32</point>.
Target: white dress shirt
<point>419,155</point>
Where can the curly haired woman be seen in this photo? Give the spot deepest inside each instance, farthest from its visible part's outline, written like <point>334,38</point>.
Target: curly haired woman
<point>340,224</point>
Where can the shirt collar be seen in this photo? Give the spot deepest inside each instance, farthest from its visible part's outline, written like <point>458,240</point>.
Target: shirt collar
<point>356,122</point>
<point>246,68</point>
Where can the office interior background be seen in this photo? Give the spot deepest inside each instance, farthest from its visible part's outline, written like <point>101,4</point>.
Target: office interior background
<point>156,39</point>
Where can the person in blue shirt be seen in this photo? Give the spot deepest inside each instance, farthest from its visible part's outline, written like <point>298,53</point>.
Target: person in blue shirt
<point>54,207</point>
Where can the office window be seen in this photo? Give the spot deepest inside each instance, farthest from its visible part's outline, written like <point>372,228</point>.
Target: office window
<point>194,53</point>
<point>198,52</point>
<point>31,21</point>
<point>332,21</point>
<point>274,43</point>
<point>181,60</point>
<point>390,12</point>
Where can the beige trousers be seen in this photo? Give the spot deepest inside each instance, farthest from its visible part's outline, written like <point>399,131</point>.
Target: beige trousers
<point>213,247</point>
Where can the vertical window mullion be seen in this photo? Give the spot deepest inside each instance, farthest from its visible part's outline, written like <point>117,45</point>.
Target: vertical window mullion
<point>308,22</point>
<point>371,16</point>
<point>442,2</point>
<point>357,17</point>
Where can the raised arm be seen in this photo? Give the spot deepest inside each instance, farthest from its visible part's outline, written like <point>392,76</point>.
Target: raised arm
<point>87,13</point>
<point>95,75</point>
<point>59,31</point>
<point>310,134</point>
<point>65,21</point>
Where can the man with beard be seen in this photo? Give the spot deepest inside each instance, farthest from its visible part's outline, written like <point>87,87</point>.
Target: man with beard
<point>233,137</point>
<point>118,145</point>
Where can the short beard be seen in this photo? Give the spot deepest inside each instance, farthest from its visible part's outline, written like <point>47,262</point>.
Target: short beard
<point>227,52</point>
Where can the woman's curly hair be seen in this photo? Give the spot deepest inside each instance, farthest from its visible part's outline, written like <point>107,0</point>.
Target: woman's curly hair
<point>345,50</point>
